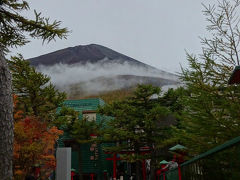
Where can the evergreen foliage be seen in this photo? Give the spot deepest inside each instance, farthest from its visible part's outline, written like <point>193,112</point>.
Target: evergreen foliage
<point>14,26</point>
<point>14,29</point>
<point>136,124</point>
<point>81,130</point>
<point>211,112</point>
<point>36,94</point>
<point>173,99</point>
<point>84,131</point>
<point>65,118</point>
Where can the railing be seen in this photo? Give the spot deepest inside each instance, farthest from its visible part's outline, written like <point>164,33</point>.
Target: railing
<point>219,163</point>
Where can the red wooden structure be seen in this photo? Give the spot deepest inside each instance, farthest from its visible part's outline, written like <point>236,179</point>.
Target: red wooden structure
<point>114,159</point>
<point>92,176</point>
<point>144,173</point>
<point>144,150</point>
<point>235,77</point>
<point>162,170</point>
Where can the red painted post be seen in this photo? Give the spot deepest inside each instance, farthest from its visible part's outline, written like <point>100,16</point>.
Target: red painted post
<point>72,174</point>
<point>114,166</point>
<point>114,159</point>
<point>179,173</point>
<point>158,174</point>
<point>144,170</point>
<point>92,175</point>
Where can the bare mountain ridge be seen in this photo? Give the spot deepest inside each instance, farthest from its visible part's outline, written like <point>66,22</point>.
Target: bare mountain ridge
<point>83,54</point>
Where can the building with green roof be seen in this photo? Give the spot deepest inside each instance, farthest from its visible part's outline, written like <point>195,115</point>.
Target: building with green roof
<point>87,159</point>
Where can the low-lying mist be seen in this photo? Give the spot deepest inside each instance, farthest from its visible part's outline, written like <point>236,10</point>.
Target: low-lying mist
<point>92,78</point>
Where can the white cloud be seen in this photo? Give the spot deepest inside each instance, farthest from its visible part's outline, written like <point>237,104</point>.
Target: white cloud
<point>101,76</point>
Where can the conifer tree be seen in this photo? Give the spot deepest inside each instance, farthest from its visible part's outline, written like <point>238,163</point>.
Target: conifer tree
<point>37,95</point>
<point>172,99</point>
<point>211,114</point>
<point>80,130</point>
<point>14,29</point>
<point>137,123</point>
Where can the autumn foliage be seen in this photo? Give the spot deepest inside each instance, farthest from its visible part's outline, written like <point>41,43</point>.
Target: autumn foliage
<point>34,145</point>
<point>17,114</point>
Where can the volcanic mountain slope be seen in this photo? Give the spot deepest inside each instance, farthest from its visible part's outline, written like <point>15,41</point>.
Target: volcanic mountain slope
<point>103,85</point>
<point>90,69</point>
<point>83,54</point>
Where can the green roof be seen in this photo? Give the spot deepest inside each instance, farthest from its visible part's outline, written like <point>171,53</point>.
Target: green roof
<point>99,164</point>
<point>74,170</point>
<point>177,147</point>
<point>163,162</point>
<point>84,104</point>
<point>81,105</point>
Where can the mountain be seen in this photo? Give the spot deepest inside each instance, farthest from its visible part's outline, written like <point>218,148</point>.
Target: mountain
<point>83,54</point>
<point>91,69</point>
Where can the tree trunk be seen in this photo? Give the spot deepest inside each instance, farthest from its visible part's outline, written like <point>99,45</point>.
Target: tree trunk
<point>6,121</point>
<point>138,170</point>
<point>153,163</point>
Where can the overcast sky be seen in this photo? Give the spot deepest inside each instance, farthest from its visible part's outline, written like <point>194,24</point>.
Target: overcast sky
<point>156,32</point>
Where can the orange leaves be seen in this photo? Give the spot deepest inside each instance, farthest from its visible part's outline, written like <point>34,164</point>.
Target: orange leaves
<point>34,144</point>
<point>18,114</point>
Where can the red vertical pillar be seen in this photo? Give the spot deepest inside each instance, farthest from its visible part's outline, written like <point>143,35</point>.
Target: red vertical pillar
<point>72,174</point>
<point>114,159</point>
<point>179,173</point>
<point>115,166</point>
<point>92,175</point>
<point>144,170</point>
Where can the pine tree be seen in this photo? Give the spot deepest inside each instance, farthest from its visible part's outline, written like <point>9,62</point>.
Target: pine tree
<point>173,99</point>
<point>137,123</point>
<point>13,30</point>
<point>36,95</point>
<point>81,131</point>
